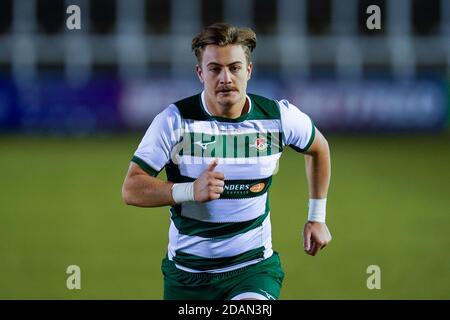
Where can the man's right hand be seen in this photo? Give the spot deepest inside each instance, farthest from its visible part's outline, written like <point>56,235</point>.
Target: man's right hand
<point>209,185</point>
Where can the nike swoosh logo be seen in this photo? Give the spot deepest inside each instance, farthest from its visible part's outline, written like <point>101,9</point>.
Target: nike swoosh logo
<point>268,295</point>
<point>204,145</point>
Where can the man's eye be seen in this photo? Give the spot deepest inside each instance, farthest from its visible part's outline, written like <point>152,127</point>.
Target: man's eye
<point>215,70</point>
<point>234,69</point>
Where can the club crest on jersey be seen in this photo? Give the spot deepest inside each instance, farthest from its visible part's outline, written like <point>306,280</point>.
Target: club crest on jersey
<point>260,144</point>
<point>257,187</point>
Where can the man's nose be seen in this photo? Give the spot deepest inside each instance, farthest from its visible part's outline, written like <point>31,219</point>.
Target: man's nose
<point>225,77</point>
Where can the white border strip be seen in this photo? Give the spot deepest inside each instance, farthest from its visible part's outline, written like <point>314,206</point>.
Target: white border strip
<point>249,295</point>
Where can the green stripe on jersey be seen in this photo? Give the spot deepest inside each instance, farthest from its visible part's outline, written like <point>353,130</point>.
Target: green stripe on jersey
<point>204,264</point>
<point>244,145</point>
<point>262,108</point>
<point>234,189</point>
<point>144,166</point>
<point>215,230</point>
<point>244,189</point>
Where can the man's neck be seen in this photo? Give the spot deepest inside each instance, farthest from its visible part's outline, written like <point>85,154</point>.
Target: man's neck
<point>235,111</point>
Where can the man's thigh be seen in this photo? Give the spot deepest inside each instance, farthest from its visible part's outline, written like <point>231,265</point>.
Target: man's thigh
<point>262,281</point>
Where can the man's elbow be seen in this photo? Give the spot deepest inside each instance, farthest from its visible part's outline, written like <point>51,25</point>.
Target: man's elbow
<point>319,148</point>
<point>127,196</point>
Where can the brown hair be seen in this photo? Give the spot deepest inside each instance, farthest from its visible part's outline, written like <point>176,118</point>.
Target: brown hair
<point>223,34</point>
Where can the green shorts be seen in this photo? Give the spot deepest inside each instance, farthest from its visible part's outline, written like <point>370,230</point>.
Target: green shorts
<point>263,278</point>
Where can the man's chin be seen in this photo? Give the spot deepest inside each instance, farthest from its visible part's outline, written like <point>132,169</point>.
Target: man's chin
<point>229,98</point>
<point>227,101</point>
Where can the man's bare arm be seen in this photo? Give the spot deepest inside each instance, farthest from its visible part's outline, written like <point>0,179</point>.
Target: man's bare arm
<point>318,170</point>
<point>142,190</point>
<point>318,167</point>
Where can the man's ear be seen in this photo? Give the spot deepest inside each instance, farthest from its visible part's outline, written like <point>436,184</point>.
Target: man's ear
<point>249,70</point>
<point>199,72</point>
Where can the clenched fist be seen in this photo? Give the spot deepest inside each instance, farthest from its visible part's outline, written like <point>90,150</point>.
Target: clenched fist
<point>315,237</point>
<point>209,185</point>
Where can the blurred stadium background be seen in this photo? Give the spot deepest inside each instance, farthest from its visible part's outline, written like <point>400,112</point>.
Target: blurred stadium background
<point>74,105</point>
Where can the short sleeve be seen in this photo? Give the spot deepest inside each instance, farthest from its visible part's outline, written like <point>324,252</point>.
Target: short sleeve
<point>154,151</point>
<point>298,128</point>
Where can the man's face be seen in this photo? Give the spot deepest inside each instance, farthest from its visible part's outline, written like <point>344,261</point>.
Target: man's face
<point>224,73</point>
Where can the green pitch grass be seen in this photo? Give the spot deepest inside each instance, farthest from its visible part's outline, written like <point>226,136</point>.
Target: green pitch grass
<point>389,205</point>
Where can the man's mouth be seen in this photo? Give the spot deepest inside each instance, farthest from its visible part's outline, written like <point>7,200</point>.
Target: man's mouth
<point>226,91</point>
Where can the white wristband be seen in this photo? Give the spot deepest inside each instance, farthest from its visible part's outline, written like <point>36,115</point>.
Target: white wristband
<point>317,210</point>
<point>183,192</point>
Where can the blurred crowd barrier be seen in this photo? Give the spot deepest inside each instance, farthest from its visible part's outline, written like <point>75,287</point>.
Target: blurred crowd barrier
<point>111,104</point>
<point>360,65</point>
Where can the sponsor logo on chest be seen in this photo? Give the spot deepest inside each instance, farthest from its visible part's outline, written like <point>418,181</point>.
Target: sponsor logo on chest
<point>243,188</point>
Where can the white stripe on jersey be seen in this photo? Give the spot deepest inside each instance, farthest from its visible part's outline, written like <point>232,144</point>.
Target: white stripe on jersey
<point>221,248</point>
<point>234,168</point>
<point>225,210</point>
<point>248,126</point>
<point>231,268</point>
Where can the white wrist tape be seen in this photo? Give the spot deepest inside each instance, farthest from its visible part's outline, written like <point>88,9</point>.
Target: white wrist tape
<point>183,192</point>
<point>317,210</point>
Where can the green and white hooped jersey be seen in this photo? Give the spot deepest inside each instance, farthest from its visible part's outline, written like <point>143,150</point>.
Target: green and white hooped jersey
<point>233,231</point>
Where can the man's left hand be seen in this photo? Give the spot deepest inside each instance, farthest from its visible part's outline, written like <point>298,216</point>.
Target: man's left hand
<point>315,237</point>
